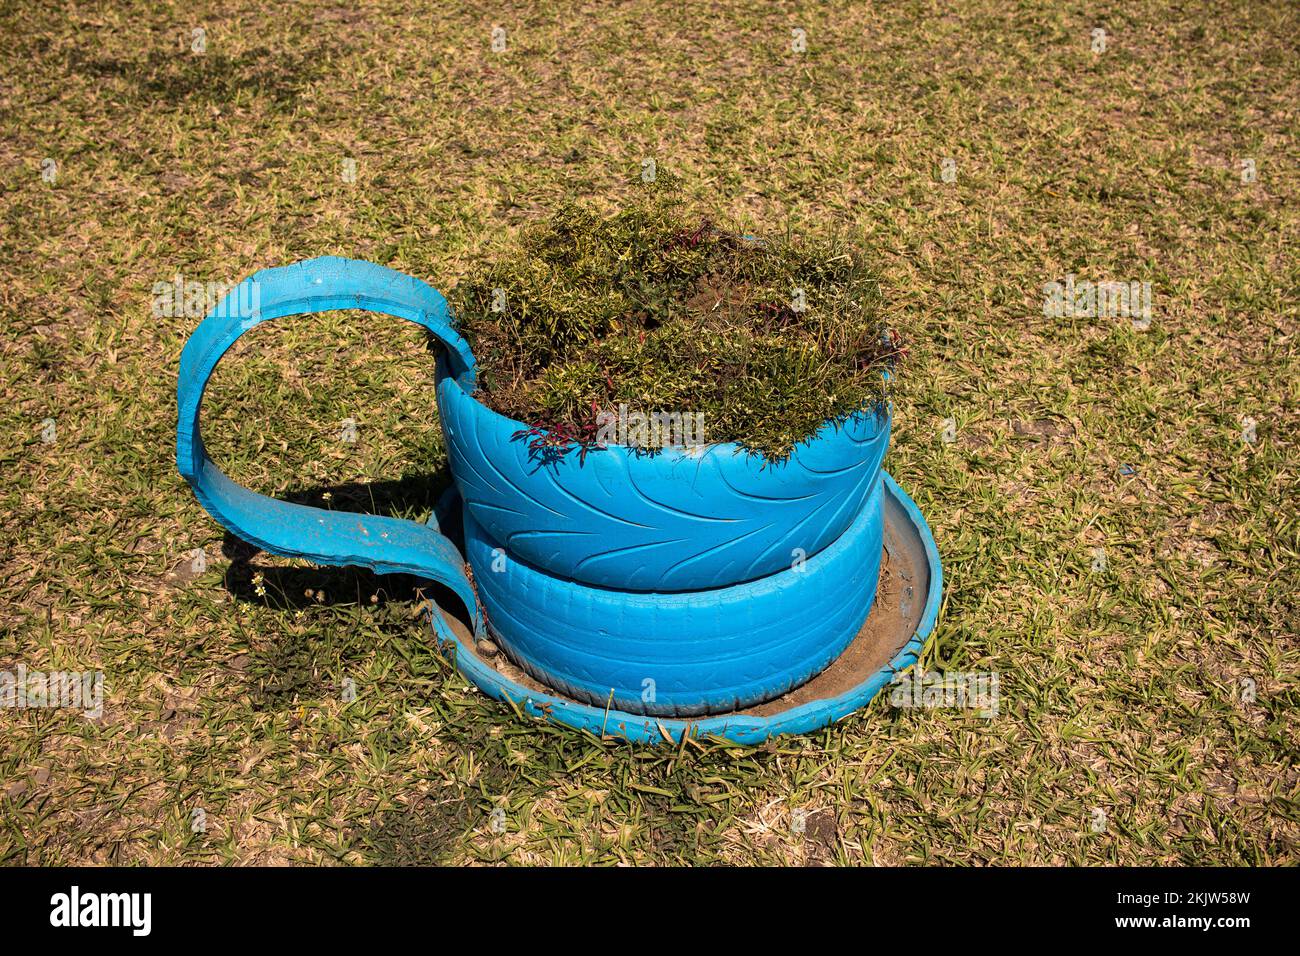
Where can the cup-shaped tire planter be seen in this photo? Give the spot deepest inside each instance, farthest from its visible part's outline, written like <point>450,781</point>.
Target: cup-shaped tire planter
<point>675,583</point>
<point>679,583</point>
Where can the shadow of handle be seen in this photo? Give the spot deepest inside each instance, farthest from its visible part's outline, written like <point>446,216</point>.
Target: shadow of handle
<point>383,544</point>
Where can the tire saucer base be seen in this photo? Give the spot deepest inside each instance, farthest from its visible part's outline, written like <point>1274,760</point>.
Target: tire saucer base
<point>902,617</point>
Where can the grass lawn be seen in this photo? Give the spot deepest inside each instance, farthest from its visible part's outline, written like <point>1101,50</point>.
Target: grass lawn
<point>1149,690</point>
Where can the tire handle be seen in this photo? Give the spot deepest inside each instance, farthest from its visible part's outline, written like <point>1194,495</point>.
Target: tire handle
<point>383,544</point>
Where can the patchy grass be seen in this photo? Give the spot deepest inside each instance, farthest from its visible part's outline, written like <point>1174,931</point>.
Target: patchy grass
<point>1160,689</point>
<point>659,309</point>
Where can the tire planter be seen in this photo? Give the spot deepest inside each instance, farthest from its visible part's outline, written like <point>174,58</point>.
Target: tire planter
<point>680,653</point>
<point>889,642</point>
<point>723,583</point>
<point>677,520</point>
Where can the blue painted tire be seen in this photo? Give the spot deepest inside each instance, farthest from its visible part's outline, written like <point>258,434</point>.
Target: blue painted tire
<point>705,651</point>
<point>912,541</point>
<point>672,521</point>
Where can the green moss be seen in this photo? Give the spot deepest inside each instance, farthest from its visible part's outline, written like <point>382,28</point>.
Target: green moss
<point>661,309</point>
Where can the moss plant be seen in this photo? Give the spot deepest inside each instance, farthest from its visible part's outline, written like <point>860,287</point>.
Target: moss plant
<point>659,309</point>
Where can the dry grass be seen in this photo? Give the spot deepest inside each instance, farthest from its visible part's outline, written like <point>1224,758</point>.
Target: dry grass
<point>1121,690</point>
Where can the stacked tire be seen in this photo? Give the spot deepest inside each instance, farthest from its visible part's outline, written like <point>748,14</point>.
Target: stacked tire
<point>685,582</point>
<point>682,582</point>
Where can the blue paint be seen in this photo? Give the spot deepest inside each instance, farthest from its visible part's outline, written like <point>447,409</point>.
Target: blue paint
<point>661,532</point>
<point>740,729</point>
<point>687,652</point>
<point>681,519</point>
<point>385,545</point>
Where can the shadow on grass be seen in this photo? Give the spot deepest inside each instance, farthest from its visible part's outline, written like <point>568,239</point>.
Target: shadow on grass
<point>294,588</point>
<point>424,834</point>
<point>178,77</point>
<point>437,828</point>
<point>289,666</point>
